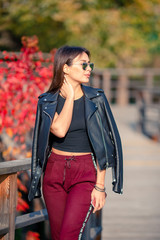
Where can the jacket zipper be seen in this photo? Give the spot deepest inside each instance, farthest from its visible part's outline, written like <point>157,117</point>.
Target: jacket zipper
<point>113,134</point>
<point>47,138</point>
<point>107,164</point>
<point>114,180</point>
<point>47,115</point>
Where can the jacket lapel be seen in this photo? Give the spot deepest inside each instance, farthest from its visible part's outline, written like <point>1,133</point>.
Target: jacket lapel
<point>49,103</point>
<point>90,106</point>
<point>50,109</point>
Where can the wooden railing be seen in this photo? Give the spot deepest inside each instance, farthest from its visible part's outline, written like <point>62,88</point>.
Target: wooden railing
<point>121,85</point>
<point>8,200</point>
<point>148,102</point>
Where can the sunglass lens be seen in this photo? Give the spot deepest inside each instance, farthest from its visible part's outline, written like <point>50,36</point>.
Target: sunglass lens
<point>91,65</point>
<point>84,66</point>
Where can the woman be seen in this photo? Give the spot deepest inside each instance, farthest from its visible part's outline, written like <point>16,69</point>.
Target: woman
<point>75,140</point>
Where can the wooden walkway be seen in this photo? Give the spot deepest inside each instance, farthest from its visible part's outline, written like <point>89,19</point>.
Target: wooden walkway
<point>135,215</point>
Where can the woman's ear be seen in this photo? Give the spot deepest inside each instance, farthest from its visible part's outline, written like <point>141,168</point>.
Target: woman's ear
<point>65,69</point>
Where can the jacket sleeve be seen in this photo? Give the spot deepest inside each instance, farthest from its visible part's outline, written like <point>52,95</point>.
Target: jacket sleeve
<point>117,171</point>
<point>34,160</point>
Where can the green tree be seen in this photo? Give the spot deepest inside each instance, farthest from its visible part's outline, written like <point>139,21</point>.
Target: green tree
<point>119,33</point>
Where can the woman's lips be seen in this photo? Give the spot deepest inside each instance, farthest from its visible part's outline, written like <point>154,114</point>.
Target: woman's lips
<point>87,75</point>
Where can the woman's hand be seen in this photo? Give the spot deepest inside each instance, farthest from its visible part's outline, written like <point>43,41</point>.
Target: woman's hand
<point>98,199</point>
<point>67,90</point>
<point>62,121</point>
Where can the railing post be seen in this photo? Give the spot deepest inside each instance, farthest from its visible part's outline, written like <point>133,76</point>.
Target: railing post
<point>12,204</point>
<point>149,86</point>
<point>122,90</point>
<point>4,196</point>
<point>8,195</point>
<point>107,83</point>
<point>96,80</point>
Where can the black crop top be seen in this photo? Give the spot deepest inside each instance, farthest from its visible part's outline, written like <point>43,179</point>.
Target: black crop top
<point>76,139</point>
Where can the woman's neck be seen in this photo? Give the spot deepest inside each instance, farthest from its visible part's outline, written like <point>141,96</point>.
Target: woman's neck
<point>78,92</point>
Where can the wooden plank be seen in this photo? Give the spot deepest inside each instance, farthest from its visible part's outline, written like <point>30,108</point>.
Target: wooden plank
<point>12,204</point>
<point>122,93</point>
<point>31,218</point>
<point>107,83</point>
<point>135,215</point>
<point>4,203</point>
<point>129,71</point>
<point>15,166</point>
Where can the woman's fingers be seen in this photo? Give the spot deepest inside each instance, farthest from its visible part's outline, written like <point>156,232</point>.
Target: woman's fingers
<point>67,89</point>
<point>98,205</point>
<point>98,198</point>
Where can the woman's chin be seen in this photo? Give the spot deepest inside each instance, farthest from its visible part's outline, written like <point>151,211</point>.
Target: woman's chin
<point>86,80</point>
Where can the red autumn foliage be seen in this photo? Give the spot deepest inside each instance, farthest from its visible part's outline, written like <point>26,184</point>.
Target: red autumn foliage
<point>21,186</point>
<point>22,205</point>
<point>23,77</point>
<point>32,236</point>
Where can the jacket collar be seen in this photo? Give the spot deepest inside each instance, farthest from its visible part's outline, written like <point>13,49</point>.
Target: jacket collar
<point>90,106</point>
<point>48,96</point>
<point>89,92</point>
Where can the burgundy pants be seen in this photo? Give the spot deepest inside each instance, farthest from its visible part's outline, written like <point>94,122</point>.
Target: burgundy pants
<point>67,185</point>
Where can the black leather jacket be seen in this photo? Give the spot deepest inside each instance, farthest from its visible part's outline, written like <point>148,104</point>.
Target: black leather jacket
<point>102,132</point>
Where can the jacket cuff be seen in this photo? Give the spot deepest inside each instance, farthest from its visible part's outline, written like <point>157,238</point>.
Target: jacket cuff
<point>38,194</point>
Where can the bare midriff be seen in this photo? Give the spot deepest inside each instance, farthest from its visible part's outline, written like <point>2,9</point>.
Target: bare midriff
<point>69,153</point>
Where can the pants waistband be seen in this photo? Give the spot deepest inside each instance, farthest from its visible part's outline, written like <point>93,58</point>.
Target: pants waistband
<point>60,157</point>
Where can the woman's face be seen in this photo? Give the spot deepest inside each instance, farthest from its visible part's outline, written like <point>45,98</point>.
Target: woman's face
<point>76,73</point>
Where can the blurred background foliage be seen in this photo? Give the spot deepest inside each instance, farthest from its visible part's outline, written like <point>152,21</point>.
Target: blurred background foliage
<point>119,33</point>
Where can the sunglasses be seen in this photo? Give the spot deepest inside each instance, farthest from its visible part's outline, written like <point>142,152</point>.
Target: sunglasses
<point>85,65</point>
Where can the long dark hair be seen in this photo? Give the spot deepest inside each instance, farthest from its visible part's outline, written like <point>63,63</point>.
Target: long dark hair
<point>64,55</point>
